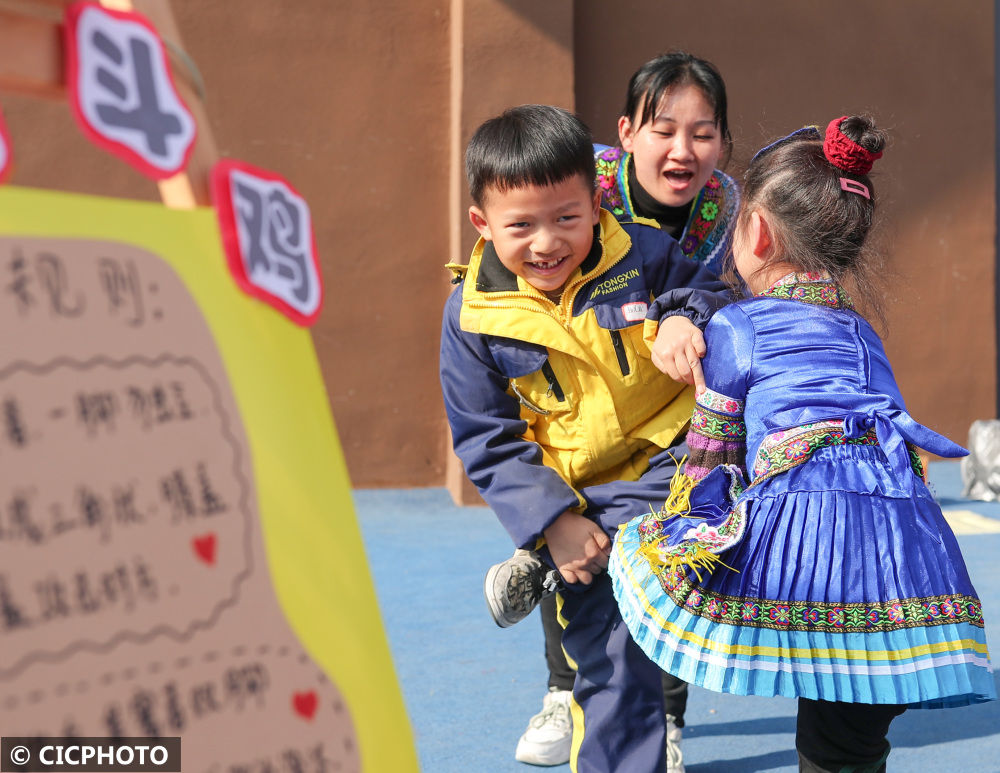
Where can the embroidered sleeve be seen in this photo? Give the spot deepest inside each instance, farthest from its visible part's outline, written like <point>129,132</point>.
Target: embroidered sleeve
<point>718,434</point>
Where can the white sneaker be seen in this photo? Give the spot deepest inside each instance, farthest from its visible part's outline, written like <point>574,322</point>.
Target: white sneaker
<point>515,586</point>
<point>675,759</point>
<point>549,735</point>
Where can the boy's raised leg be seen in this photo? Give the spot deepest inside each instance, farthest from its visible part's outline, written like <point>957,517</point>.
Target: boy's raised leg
<point>514,587</point>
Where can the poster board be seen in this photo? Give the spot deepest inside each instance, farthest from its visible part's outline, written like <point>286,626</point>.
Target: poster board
<point>178,548</point>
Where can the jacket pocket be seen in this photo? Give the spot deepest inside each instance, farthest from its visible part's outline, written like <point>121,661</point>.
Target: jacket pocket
<point>540,392</point>
<point>645,371</point>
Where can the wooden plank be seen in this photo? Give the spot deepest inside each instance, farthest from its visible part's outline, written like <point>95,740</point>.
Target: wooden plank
<point>51,10</point>
<point>31,55</point>
<point>39,7</point>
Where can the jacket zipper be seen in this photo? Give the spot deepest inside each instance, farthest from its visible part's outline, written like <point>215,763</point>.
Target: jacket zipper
<point>554,387</point>
<point>616,341</point>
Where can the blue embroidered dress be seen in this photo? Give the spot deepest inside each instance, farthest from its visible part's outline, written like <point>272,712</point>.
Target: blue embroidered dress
<point>835,574</point>
<point>709,226</point>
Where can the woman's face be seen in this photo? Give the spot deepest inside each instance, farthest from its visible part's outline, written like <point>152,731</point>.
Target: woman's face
<point>676,152</point>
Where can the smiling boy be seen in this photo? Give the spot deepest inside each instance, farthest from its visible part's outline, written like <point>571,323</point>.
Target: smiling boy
<point>541,234</point>
<point>556,407</point>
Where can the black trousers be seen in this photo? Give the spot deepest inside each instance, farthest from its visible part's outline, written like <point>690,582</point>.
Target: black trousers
<point>845,737</point>
<point>561,676</point>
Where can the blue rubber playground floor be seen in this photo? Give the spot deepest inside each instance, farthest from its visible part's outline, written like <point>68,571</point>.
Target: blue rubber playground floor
<point>471,687</point>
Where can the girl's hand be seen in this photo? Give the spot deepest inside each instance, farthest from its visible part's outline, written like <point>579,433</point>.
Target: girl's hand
<point>678,350</point>
<point>578,546</point>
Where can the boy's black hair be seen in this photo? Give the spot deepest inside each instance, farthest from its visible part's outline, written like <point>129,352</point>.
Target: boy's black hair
<point>528,145</point>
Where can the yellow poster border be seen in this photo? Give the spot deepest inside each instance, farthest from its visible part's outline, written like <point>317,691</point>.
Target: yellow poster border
<point>310,529</point>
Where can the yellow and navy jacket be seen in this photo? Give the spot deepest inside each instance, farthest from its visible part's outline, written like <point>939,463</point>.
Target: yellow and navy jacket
<point>545,398</point>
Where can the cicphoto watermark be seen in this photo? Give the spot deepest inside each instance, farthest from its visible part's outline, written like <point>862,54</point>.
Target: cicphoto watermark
<point>38,754</point>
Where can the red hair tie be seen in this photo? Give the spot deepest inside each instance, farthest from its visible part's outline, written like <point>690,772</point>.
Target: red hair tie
<point>844,153</point>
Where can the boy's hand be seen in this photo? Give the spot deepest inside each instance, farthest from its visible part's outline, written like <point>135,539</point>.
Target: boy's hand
<point>678,350</point>
<point>579,547</point>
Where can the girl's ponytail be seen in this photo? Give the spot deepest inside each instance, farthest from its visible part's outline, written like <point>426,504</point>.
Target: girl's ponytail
<point>853,143</point>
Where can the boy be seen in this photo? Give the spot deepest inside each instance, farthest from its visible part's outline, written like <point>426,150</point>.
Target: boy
<point>557,405</point>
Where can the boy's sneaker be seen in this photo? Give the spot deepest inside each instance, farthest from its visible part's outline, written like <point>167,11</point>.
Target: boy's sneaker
<point>549,735</point>
<point>514,587</point>
<point>675,760</point>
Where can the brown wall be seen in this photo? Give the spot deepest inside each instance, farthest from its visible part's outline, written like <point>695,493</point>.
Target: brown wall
<point>925,71</point>
<point>348,101</point>
<point>365,108</point>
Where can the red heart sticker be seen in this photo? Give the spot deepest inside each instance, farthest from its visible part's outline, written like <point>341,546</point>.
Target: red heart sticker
<point>204,548</point>
<point>305,703</point>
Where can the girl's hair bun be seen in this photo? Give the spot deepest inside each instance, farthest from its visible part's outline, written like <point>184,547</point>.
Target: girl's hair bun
<point>853,143</point>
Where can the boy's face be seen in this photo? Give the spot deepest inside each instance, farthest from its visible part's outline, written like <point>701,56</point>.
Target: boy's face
<point>540,233</point>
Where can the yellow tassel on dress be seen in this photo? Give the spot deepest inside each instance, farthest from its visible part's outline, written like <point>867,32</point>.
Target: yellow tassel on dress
<point>678,505</point>
<point>679,499</point>
<point>694,557</point>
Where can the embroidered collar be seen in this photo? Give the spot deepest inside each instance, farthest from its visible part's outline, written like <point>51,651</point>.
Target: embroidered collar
<point>704,236</point>
<point>704,217</point>
<point>817,289</point>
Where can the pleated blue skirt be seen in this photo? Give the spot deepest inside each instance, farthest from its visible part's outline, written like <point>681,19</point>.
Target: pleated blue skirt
<point>846,585</point>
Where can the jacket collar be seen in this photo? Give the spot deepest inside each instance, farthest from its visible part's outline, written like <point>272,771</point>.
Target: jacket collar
<point>494,276</point>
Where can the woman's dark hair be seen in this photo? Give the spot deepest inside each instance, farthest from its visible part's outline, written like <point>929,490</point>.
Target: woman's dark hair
<point>817,226</point>
<point>528,145</point>
<point>668,71</point>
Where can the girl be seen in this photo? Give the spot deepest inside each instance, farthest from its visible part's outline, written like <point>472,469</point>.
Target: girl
<point>673,131</point>
<point>811,560</point>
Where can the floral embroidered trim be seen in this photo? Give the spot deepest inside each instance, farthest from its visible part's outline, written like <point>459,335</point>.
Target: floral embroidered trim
<point>783,450</point>
<point>650,528</point>
<point>720,403</point>
<point>802,277</point>
<point>696,541</point>
<point>718,426</point>
<point>708,233</point>
<point>823,617</point>
<point>780,451</point>
<point>701,222</point>
<point>717,435</point>
<point>816,289</point>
